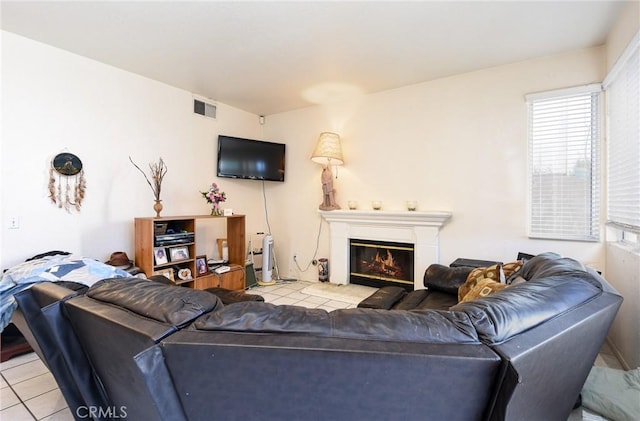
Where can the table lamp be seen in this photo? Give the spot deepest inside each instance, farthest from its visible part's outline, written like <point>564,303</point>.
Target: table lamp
<point>328,152</point>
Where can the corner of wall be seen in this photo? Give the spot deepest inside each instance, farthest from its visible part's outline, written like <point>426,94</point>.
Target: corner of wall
<point>622,32</point>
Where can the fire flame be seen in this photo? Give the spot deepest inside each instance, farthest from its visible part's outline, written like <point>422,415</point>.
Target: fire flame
<point>385,266</point>
<point>386,262</point>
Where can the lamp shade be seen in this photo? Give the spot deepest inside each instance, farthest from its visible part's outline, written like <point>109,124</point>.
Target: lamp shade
<point>328,150</point>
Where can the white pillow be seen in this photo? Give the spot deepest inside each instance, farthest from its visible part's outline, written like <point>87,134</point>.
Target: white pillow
<point>612,393</point>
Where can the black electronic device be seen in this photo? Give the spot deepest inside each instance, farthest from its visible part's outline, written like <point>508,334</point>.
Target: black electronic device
<point>174,239</point>
<point>250,159</point>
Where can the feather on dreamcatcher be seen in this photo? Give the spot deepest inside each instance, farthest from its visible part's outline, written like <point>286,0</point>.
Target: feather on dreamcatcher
<point>70,178</point>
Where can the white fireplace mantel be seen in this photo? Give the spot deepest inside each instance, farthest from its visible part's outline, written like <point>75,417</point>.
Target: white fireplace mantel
<point>420,228</point>
<point>413,218</point>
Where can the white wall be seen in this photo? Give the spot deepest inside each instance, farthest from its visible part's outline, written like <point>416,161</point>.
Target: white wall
<point>623,272</point>
<point>456,144</point>
<point>622,32</point>
<point>54,101</point>
<point>623,263</point>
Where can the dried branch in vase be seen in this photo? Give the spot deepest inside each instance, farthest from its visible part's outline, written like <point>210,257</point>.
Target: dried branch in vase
<point>158,171</point>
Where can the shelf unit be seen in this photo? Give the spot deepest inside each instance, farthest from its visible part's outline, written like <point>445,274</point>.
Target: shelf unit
<point>145,243</point>
<point>234,279</point>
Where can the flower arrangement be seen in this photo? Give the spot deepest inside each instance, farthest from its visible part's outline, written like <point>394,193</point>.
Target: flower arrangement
<point>215,197</point>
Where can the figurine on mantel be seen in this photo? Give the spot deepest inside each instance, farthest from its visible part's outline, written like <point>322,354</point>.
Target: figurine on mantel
<point>328,192</point>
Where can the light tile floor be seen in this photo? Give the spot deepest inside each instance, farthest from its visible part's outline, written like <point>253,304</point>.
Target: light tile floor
<point>28,391</point>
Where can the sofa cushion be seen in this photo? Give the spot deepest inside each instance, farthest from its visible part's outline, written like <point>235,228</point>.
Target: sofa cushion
<point>437,300</point>
<point>513,310</point>
<point>411,300</point>
<point>384,298</point>
<point>498,273</point>
<point>493,272</point>
<point>256,316</point>
<point>355,323</point>
<point>482,288</point>
<point>228,296</point>
<point>548,264</point>
<point>445,279</point>
<point>167,304</point>
<point>424,326</point>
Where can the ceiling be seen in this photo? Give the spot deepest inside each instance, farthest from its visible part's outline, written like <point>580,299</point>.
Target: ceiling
<point>268,57</point>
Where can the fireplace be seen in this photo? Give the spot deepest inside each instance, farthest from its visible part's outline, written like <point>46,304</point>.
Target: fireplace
<point>419,228</point>
<point>381,263</point>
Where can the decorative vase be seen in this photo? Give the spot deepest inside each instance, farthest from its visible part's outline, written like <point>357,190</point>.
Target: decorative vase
<point>158,207</point>
<point>215,209</point>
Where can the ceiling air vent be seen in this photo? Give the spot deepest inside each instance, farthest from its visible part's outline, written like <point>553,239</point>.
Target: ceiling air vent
<point>204,108</point>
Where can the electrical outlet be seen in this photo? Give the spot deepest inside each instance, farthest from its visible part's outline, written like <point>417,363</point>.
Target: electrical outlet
<point>14,223</point>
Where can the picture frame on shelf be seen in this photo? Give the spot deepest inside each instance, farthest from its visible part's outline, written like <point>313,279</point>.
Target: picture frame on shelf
<point>160,256</point>
<point>168,273</point>
<point>202,268</point>
<point>179,253</point>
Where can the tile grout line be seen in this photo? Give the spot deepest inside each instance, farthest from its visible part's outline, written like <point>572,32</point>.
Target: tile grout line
<point>20,401</point>
<point>23,402</point>
<point>57,412</point>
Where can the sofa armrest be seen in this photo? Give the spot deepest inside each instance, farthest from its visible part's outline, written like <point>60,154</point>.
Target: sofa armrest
<point>444,278</point>
<point>228,296</point>
<point>384,298</point>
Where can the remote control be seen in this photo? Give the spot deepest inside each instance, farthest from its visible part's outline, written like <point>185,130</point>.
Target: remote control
<point>222,269</point>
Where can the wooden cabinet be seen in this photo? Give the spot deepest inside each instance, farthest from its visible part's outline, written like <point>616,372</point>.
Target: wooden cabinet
<point>206,281</point>
<point>234,279</point>
<point>173,233</point>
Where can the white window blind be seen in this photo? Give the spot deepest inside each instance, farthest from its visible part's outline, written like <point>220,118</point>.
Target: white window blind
<point>564,164</point>
<point>623,170</point>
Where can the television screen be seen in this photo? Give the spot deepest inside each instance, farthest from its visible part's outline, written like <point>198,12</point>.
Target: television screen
<point>251,159</point>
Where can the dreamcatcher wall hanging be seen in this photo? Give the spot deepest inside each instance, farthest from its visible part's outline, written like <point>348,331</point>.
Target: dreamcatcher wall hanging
<point>66,181</point>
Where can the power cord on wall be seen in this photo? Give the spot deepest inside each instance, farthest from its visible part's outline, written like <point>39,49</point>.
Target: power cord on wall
<point>313,260</point>
<point>273,254</point>
<point>266,211</point>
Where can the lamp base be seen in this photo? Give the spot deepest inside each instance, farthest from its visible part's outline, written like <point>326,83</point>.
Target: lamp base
<point>266,284</point>
<point>328,207</point>
<point>328,192</point>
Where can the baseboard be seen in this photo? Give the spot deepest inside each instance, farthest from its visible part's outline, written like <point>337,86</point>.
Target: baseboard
<point>617,354</point>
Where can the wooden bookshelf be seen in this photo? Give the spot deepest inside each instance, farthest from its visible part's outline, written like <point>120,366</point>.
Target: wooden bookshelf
<point>147,230</point>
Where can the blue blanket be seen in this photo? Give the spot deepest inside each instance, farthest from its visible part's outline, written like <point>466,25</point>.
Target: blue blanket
<point>50,269</point>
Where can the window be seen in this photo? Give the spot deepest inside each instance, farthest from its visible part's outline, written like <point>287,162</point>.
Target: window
<point>622,87</point>
<point>564,164</point>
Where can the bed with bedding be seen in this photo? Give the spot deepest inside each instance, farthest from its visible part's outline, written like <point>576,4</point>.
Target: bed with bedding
<point>54,266</point>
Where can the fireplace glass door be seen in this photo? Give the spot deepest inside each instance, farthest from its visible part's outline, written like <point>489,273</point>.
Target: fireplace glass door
<point>381,263</point>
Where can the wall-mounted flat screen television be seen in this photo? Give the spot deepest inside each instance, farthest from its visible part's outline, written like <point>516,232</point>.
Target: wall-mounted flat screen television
<point>250,159</point>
